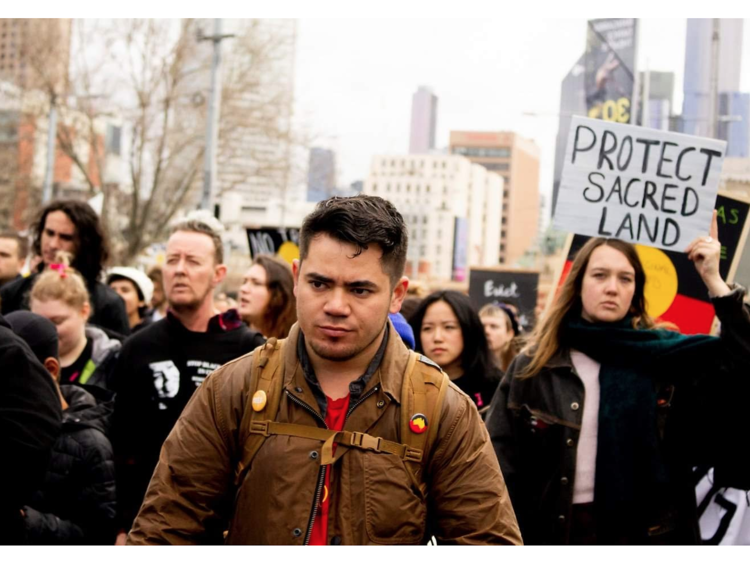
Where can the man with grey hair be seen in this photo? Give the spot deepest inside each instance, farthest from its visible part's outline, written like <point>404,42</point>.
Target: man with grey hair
<point>160,367</point>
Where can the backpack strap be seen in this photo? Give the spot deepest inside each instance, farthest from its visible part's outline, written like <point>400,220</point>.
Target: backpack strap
<point>422,396</point>
<point>267,379</point>
<point>418,399</point>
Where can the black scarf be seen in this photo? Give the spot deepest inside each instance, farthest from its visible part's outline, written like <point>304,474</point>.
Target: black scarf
<point>631,474</point>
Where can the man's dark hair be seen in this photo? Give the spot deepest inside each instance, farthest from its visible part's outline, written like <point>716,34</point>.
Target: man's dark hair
<point>91,248</point>
<point>21,242</point>
<point>361,221</point>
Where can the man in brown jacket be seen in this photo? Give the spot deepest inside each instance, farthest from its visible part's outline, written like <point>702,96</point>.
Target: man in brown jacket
<point>343,366</point>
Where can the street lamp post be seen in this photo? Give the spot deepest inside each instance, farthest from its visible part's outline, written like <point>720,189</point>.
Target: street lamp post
<point>212,121</point>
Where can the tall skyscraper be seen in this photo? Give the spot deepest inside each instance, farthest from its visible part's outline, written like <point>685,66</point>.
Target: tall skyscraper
<point>696,109</point>
<point>321,174</point>
<point>735,129</point>
<point>423,121</point>
<point>517,160</point>
<point>572,102</point>
<point>660,95</point>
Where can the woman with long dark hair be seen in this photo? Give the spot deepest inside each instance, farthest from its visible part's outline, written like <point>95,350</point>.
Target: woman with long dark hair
<point>267,301</point>
<point>599,421</point>
<point>448,331</point>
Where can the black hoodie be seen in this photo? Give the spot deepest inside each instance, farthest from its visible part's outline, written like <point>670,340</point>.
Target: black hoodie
<point>29,424</point>
<point>76,503</point>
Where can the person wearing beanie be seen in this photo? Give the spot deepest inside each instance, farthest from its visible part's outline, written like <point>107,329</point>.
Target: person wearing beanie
<point>503,333</point>
<point>76,501</point>
<point>136,289</point>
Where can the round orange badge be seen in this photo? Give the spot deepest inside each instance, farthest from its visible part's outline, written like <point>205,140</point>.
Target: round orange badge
<point>259,401</point>
<point>418,423</point>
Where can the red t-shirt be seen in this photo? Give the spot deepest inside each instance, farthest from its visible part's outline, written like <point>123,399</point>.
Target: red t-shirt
<point>335,418</point>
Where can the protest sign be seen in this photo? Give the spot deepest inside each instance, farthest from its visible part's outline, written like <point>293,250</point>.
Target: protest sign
<point>283,242</point>
<point>639,185</point>
<point>510,286</point>
<point>674,291</point>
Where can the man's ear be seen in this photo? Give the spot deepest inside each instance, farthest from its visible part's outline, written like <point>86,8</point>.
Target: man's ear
<point>295,273</point>
<point>399,294</point>
<point>53,367</point>
<point>220,272</point>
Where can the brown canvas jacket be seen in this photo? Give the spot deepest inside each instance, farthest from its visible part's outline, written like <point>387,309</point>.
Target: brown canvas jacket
<point>193,499</point>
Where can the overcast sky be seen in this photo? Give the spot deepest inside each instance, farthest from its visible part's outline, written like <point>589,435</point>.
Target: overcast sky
<point>355,78</point>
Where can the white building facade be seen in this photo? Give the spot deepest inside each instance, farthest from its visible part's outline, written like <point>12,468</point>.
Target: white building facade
<point>452,208</point>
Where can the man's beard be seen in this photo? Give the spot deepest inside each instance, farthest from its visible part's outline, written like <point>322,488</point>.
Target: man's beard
<point>192,305</point>
<point>344,354</point>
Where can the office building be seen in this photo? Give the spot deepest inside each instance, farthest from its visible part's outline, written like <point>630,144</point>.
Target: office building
<point>517,160</point>
<point>452,209</point>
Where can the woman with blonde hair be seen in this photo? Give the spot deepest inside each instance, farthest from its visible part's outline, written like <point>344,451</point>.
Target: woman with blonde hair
<point>502,331</point>
<point>87,354</point>
<point>600,420</point>
<point>267,302</point>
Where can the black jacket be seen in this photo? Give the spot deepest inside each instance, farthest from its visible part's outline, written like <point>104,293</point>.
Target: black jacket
<point>107,308</point>
<point>77,502</point>
<point>535,423</point>
<point>157,372</point>
<point>30,417</point>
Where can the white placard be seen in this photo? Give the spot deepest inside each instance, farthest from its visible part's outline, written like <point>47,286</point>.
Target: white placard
<point>640,185</point>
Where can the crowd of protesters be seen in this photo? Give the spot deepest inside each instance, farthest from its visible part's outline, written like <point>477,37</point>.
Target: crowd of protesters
<point>595,421</point>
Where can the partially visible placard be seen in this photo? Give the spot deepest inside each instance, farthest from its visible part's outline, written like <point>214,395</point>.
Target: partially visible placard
<point>283,242</point>
<point>510,286</point>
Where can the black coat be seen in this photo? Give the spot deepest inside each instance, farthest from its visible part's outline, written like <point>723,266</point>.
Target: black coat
<point>535,425</point>
<point>77,502</point>
<point>30,416</point>
<point>107,308</point>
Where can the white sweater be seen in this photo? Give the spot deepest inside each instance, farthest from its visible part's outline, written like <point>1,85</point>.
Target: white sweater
<point>588,371</point>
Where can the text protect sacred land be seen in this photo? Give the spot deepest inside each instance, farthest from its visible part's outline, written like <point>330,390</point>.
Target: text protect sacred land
<point>637,184</point>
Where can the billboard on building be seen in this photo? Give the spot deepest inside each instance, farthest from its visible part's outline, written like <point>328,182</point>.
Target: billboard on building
<point>460,249</point>
<point>610,68</point>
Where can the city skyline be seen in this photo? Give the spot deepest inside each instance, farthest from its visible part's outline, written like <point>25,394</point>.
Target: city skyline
<point>369,110</point>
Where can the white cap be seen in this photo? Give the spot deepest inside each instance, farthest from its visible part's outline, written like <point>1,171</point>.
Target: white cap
<point>141,280</point>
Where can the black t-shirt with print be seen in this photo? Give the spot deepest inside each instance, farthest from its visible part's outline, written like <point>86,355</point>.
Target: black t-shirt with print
<point>158,370</point>
<point>73,372</point>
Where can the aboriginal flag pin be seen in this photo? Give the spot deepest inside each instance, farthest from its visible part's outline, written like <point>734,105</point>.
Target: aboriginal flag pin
<point>259,400</point>
<point>418,423</point>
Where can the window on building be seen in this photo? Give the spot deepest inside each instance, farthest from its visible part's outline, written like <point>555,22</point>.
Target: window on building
<point>113,139</point>
<point>505,220</point>
<point>408,188</point>
<point>424,219</point>
<point>482,152</point>
<point>374,187</point>
<point>422,251</point>
<point>428,188</point>
<point>438,249</point>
